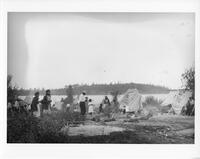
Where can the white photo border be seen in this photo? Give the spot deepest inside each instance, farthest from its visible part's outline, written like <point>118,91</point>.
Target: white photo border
<point>96,150</point>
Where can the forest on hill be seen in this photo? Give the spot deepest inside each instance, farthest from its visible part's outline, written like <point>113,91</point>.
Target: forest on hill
<point>101,89</point>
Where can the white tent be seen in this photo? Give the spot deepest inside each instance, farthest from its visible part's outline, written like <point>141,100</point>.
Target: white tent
<point>131,101</point>
<point>178,99</point>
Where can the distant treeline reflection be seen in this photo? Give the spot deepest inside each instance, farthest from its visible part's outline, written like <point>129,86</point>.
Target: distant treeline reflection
<point>100,89</point>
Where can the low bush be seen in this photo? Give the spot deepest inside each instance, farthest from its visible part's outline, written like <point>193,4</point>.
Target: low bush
<point>51,124</point>
<point>22,128</point>
<point>25,128</point>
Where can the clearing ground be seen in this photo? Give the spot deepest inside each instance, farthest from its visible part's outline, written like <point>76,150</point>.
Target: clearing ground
<point>160,129</point>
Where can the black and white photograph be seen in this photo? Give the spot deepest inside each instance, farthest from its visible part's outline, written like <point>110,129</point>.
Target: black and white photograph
<point>101,77</point>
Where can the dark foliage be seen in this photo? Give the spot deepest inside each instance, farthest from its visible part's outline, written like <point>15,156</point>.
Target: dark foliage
<point>188,78</point>
<point>101,89</point>
<point>22,128</point>
<point>12,91</point>
<point>25,128</point>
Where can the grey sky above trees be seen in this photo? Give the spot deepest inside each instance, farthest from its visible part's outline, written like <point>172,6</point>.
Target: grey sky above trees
<point>52,50</point>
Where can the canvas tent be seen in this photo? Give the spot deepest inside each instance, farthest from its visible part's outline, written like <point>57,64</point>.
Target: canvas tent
<point>177,99</point>
<point>131,101</point>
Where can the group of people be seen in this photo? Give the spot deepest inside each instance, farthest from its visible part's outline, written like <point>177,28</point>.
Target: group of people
<point>45,102</point>
<point>16,105</point>
<point>84,103</point>
<point>43,106</point>
<point>19,105</point>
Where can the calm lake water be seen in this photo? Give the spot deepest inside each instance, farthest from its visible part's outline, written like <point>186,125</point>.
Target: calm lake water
<point>98,98</point>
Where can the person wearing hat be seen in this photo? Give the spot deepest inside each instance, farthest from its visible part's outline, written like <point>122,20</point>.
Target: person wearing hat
<point>46,102</point>
<point>82,103</point>
<point>34,103</point>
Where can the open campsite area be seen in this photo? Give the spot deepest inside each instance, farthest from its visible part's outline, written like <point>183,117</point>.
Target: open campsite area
<point>101,77</point>
<point>165,129</point>
<point>130,120</point>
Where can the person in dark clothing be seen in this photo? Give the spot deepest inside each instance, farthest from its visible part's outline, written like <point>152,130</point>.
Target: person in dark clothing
<point>106,102</point>
<point>190,106</point>
<point>82,103</point>
<point>46,101</point>
<point>106,106</point>
<point>35,102</point>
<point>101,108</point>
<point>86,104</point>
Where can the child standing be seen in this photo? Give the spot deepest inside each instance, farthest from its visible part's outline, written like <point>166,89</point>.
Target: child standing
<point>90,107</point>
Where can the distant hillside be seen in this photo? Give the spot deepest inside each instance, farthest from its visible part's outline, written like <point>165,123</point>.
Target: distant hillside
<point>102,89</point>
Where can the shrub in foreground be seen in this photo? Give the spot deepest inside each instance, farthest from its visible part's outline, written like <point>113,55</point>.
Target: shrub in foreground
<point>22,128</point>
<point>25,128</point>
<point>51,124</point>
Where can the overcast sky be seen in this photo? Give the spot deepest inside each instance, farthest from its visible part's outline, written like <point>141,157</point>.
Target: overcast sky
<point>51,50</point>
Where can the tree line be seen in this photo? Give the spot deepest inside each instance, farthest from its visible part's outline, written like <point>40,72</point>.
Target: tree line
<point>100,89</point>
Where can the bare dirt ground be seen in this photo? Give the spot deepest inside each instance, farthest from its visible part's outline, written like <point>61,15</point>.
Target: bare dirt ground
<point>160,129</point>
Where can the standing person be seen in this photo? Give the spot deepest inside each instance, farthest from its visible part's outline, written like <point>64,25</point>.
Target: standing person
<point>124,109</point>
<point>82,103</point>
<point>90,107</point>
<point>106,102</point>
<point>106,106</point>
<point>189,106</point>
<point>86,104</point>
<point>46,102</point>
<point>100,108</point>
<point>35,103</point>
